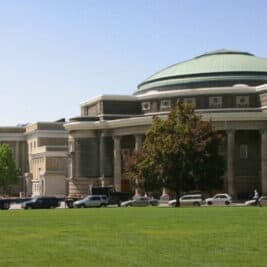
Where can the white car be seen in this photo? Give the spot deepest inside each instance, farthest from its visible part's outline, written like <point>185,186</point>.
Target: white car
<point>219,199</point>
<point>263,200</point>
<point>91,201</point>
<point>188,200</point>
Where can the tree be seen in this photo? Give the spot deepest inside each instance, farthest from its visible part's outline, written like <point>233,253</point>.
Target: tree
<point>8,170</point>
<point>181,153</point>
<point>140,170</point>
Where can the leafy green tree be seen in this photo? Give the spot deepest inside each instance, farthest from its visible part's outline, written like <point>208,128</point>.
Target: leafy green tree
<point>140,170</point>
<point>8,170</point>
<point>180,153</point>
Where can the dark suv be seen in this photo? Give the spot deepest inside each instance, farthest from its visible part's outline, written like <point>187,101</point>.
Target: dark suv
<point>41,203</point>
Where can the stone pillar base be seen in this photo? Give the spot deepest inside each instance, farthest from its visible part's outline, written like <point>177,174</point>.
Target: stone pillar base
<point>164,198</point>
<point>137,193</point>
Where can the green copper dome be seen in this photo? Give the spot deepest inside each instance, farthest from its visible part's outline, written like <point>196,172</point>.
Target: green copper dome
<point>212,69</point>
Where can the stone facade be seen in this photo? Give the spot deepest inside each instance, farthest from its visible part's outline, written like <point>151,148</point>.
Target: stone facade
<point>228,87</point>
<point>40,153</point>
<point>234,100</point>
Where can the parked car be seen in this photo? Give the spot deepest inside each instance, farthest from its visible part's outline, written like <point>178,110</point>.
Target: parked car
<point>114,197</point>
<point>4,204</point>
<point>41,203</point>
<point>263,200</point>
<point>140,202</point>
<point>91,201</point>
<point>219,199</point>
<point>188,200</point>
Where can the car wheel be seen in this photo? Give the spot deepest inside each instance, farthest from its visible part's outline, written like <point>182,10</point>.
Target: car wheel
<point>227,203</point>
<point>196,204</point>
<point>209,203</point>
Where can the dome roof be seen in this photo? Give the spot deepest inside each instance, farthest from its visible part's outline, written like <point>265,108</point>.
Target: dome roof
<point>209,69</point>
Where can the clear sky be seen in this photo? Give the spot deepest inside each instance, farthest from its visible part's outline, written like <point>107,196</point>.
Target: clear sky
<point>55,54</point>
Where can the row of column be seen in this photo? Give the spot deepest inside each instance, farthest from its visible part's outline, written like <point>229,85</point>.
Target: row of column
<point>117,158</point>
<point>230,173</point>
<point>74,160</point>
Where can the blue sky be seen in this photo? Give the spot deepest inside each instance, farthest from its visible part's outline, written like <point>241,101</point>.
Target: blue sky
<point>56,54</point>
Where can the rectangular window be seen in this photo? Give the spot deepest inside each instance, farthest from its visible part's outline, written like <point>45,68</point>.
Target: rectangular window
<point>165,104</point>
<point>242,101</point>
<point>215,101</point>
<point>146,106</point>
<point>243,151</point>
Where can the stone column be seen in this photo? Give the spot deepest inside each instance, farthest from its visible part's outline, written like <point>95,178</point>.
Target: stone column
<point>164,198</point>
<point>264,161</point>
<point>230,162</point>
<point>138,146</point>
<point>102,158</point>
<point>17,155</point>
<point>24,157</point>
<point>138,142</point>
<point>76,169</point>
<point>117,162</point>
<point>71,160</point>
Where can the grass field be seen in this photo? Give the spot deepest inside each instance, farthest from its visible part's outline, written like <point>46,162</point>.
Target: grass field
<point>134,237</point>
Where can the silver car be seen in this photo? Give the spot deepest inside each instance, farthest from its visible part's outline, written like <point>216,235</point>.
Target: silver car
<point>91,201</point>
<point>188,200</point>
<point>140,202</point>
<point>219,199</point>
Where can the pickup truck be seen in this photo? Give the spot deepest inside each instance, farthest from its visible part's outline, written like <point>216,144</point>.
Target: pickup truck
<point>4,203</point>
<point>114,198</point>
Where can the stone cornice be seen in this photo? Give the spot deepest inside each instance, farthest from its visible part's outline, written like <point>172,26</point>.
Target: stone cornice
<point>178,80</point>
<point>142,121</point>
<point>108,97</point>
<point>12,137</point>
<point>50,154</point>
<point>47,133</point>
<point>236,89</point>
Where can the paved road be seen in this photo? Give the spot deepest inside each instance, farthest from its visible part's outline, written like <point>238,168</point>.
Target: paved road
<point>63,206</point>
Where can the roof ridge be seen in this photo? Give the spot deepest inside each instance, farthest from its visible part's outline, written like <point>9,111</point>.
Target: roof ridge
<point>224,51</point>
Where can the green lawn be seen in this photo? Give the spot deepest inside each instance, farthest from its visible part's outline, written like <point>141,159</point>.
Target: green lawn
<point>222,236</point>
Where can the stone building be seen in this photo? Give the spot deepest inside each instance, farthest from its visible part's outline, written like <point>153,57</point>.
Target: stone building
<point>229,87</point>
<point>47,156</point>
<point>40,153</point>
<point>14,137</point>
